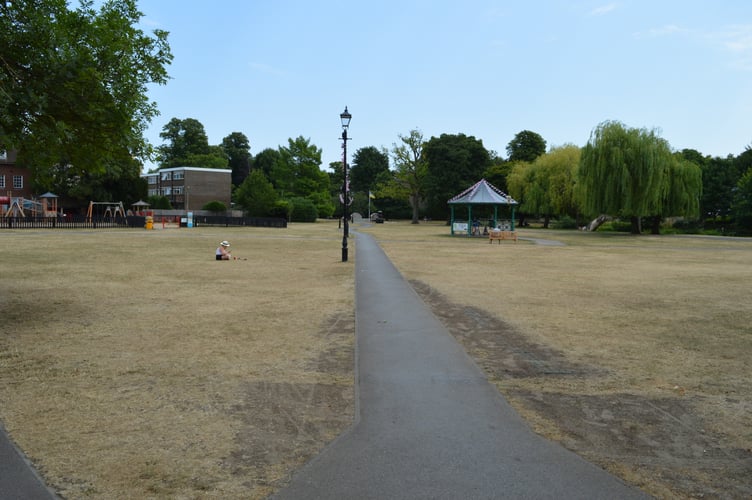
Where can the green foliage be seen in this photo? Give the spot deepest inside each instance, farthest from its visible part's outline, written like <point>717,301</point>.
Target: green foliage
<point>303,210</point>
<point>625,172</point>
<point>188,146</point>
<point>265,161</point>
<point>455,162</point>
<point>719,179</point>
<point>297,172</point>
<point>546,186</point>
<point>407,183</point>
<point>526,146</point>
<point>743,204</point>
<point>237,150</point>
<point>256,195</point>
<point>368,163</point>
<point>159,203</point>
<point>215,206</point>
<point>282,209</point>
<point>498,173</point>
<point>74,83</point>
<point>566,222</point>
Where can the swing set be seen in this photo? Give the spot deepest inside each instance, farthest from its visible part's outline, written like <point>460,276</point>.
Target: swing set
<point>112,210</point>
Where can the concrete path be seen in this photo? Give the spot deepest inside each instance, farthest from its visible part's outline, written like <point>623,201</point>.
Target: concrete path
<point>429,424</point>
<point>18,480</point>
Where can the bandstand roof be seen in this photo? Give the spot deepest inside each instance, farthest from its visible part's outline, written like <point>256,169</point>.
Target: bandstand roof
<point>482,193</point>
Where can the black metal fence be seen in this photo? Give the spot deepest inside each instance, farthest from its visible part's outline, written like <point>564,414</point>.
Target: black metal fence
<point>84,222</point>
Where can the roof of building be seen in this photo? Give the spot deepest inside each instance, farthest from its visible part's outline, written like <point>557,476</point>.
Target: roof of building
<point>482,193</point>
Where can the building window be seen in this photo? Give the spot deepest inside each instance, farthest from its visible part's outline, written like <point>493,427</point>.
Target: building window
<point>166,176</point>
<point>153,179</point>
<point>2,182</point>
<point>18,182</point>
<point>177,190</point>
<point>153,192</point>
<point>178,176</point>
<point>3,154</point>
<point>167,191</point>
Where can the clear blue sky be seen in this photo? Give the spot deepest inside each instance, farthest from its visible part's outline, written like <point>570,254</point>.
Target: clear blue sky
<point>279,69</point>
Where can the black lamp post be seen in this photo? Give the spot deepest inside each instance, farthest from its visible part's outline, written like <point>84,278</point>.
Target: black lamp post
<point>345,197</point>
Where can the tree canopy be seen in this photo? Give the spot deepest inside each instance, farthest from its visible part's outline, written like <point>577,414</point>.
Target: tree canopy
<point>297,174</point>
<point>73,83</point>
<point>188,146</point>
<point>546,186</point>
<point>633,173</point>
<point>410,172</point>
<point>526,146</point>
<point>455,162</point>
<point>368,164</point>
<point>237,149</point>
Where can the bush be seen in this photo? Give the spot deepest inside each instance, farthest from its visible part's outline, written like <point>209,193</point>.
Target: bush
<point>303,210</point>
<point>215,206</point>
<point>565,222</point>
<point>160,203</point>
<point>281,209</point>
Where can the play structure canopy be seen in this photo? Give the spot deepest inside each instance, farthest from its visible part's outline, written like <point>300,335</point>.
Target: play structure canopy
<point>480,193</point>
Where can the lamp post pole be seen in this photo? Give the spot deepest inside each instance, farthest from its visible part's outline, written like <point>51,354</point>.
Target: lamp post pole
<point>345,197</point>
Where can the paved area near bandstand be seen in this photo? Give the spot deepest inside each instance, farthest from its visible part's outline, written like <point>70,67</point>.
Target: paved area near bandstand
<point>429,424</point>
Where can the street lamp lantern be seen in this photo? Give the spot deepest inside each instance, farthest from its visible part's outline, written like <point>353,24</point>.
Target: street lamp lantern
<point>345,116</point>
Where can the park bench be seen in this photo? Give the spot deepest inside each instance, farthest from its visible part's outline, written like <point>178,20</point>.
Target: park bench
<point>502,235</point>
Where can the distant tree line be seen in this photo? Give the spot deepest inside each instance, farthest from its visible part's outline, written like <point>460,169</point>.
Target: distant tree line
<point>73,104</point>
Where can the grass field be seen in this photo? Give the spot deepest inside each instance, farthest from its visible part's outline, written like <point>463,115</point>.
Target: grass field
<point>635,352</point>
<point>135,365</point>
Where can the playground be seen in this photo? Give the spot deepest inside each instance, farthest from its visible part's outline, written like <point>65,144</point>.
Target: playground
<point>173,375</point>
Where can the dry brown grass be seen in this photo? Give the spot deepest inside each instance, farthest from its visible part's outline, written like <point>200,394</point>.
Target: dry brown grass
<point>132,361</point>
<point>134,365</point>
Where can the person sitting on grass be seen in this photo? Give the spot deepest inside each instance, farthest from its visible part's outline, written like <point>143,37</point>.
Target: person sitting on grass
<point>223,251</point>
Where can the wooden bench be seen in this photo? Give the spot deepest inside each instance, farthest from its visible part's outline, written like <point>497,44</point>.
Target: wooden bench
<point>502,235</point>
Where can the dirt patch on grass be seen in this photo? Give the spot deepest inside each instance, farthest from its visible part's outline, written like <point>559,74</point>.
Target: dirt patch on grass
<point>662,445</point>
<point>285,424</point>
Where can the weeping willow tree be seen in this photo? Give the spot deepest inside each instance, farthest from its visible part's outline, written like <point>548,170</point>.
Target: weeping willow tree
<point>683,196</point>
<point>625,172</point>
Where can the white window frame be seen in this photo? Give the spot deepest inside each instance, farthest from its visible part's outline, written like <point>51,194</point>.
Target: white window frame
<point>2,182</point>
<point>18,182</point>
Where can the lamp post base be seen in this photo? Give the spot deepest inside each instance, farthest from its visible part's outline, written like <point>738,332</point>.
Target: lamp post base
<point>344,249</point>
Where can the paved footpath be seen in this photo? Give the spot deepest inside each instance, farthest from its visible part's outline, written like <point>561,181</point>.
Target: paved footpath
<point>429,424</point>
<point>18,480</point>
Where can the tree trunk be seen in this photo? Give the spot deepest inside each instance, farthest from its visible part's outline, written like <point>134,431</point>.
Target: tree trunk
<point>655,226</point>
<point>414,203</point>
<point>546,221</point>
<point>596,223</point>
<point>636,224</point>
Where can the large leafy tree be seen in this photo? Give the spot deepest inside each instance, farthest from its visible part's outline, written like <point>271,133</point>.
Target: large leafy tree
<point>368,163</point>
<point>297,174</point>
<point>256,195</point>
<point>742,205</point>
<point>410,171</point>
<point>546,186</point>
<point>526,146</point>
<point>187,145</point>
<point>624,172</point>
<point>73,83</point>
<point>265,161</point>
<point>455,162</point>
<point>237,149</point>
